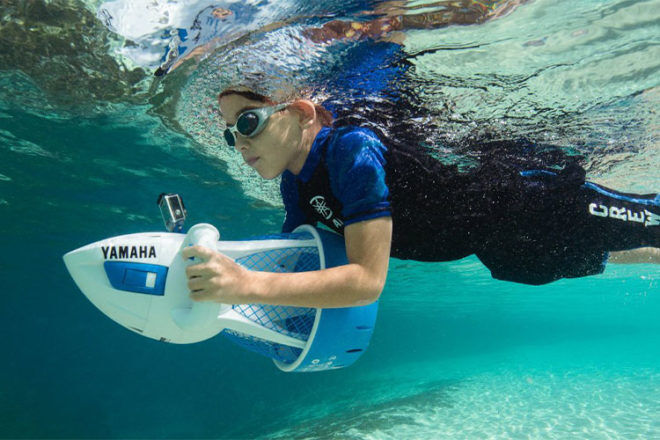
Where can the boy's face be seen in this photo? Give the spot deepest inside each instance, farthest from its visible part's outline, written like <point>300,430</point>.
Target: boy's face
<point>276,148</point>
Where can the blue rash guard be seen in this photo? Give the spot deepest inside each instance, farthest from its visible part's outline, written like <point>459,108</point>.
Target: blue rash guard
<point>349,175</point>
<point>531,226</point>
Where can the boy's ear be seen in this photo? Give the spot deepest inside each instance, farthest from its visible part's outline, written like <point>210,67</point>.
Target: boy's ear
<point>306,111</point>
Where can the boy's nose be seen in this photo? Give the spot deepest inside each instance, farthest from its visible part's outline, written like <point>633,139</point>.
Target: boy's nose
<point>241,144</point>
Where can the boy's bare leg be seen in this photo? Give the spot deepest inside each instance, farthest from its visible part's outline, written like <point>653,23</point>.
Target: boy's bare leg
<point>641,255</point>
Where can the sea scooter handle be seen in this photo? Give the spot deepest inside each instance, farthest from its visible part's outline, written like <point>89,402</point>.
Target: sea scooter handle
<point>192,315</point>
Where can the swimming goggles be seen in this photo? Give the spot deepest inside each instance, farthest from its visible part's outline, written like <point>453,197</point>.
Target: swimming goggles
<point>251,122</point>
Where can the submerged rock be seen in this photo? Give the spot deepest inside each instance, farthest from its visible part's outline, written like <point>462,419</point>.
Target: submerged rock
<point>63,48</point>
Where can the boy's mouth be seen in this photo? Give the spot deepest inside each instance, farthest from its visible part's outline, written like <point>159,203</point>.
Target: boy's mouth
<point>250,161</point>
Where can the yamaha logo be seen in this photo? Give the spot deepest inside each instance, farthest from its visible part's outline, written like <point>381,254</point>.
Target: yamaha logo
<point>321,207</point>
<point>128,252</point>
<point>319,204</point>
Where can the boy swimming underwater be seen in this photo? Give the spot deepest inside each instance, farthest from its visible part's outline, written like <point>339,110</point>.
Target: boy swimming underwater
<point>527,223</point>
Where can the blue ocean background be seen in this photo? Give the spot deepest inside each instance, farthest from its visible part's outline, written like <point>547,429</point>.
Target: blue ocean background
<point>455,354</point>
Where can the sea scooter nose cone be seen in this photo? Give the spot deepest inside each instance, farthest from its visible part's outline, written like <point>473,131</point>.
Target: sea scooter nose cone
<point>86,266</point>
<point>138,280</point>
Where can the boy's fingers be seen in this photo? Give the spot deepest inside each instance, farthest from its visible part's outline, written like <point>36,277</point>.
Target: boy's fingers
<point>196,284</point>
<point>199,270</point>
<point>200,295</point>
<point>197,251</point>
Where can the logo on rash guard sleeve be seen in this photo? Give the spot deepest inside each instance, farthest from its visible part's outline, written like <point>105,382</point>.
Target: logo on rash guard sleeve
<point>321,207</point>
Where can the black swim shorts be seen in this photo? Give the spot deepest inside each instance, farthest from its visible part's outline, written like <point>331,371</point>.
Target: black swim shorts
<point>550,225</point>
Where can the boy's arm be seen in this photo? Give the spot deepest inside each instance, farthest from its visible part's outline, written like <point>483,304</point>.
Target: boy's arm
<point>358,283</point>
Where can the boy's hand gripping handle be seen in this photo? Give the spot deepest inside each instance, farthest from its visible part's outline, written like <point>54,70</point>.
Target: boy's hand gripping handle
<point>196,314</point>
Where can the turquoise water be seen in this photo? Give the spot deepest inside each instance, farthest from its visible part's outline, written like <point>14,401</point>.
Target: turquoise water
<point>455,354</point>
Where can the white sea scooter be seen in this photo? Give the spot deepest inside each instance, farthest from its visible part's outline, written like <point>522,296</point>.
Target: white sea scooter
<point>139,281</point>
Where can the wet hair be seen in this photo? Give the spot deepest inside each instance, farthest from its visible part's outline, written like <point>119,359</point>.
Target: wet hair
<point>247,95</point>
<point>323,114</point>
